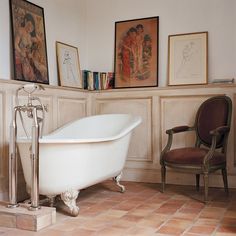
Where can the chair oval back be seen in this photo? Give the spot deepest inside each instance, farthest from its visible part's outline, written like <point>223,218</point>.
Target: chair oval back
<point>214,112</point>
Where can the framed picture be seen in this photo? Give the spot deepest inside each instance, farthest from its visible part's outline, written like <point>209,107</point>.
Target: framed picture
<point>29,42</point>
<point>136,52</point>
<point>187,62</point>
<point>68,65</point>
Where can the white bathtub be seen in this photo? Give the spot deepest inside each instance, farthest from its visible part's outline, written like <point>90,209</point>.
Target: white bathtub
<point>80,154</point>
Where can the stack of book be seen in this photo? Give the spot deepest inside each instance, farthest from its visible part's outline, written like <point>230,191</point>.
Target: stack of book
<point>97,80</point>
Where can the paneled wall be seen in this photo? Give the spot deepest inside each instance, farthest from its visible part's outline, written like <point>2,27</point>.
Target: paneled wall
<point>160,109</point>
<point>64,105</point>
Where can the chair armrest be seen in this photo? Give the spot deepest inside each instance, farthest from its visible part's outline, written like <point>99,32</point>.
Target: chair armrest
<point>179,129</point>
<point>170,133</point>
<point>215,133</point>
<point>220,130</point>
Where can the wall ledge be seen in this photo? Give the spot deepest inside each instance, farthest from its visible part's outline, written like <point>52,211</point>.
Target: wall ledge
<point>155,88</point>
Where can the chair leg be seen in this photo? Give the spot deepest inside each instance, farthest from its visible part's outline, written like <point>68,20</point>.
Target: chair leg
<point>163,177</point>
<point>197,181</point>
<point>206,186</point>
<point>224,174</point>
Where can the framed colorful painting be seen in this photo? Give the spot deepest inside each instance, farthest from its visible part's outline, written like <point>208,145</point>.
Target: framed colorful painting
<point>136,52</point>
<point>68,65</point>
<point>187,60</point>
<point>29,42</point>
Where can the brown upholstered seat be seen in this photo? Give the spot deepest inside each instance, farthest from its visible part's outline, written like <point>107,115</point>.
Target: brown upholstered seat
<point>192,156</point>
<point>212,126</point>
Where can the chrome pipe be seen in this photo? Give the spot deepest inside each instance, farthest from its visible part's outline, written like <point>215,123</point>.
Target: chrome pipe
<point>13,163</point>
<point>35,163</point>
<point>31,112</point>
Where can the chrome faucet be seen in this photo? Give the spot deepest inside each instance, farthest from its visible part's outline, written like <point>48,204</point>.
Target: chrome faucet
<point>32,113</point>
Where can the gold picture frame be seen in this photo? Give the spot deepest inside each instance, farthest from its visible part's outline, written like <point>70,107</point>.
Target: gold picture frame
<point>68,65</point>
<point>136,52</point>
<point>188,59</point>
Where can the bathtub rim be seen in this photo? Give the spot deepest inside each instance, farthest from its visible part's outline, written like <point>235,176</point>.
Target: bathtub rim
<point>135,121</point>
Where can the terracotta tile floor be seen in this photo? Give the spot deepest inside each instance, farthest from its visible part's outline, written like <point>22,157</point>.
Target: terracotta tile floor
<point>143,210</point>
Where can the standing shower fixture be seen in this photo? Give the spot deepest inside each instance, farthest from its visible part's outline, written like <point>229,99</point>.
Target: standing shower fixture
<point>32,109</point>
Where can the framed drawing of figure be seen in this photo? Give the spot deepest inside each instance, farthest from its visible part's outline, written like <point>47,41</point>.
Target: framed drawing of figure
<point>29,42</point>
<point>188,58</point>
<point>136,52</point>
<point>68,65</point>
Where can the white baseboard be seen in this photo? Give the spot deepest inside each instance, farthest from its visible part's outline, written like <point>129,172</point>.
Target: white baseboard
<point>154,176</point>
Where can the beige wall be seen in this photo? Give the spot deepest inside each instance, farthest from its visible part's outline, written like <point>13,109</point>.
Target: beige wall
<point>175,17</point>
<point>160,109</point>
<point>64,22</point>
<point>90,26</point>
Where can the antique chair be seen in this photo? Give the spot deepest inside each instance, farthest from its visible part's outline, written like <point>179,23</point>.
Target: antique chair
<point>212,126</point>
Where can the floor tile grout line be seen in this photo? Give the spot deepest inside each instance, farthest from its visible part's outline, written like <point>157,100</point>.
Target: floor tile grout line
<point>220,221</point>
<point>173,194</point>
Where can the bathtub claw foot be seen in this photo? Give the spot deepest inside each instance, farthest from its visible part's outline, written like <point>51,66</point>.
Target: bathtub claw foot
<point>117,180</point>
<point>69,198</point>
<point>52,201</point>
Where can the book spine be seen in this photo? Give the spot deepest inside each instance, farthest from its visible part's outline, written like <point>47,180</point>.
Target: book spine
<point>97,80</point>
<point>103,76</point>
<point>90,81</point>
<point>85,79</point>
<point>110,80</point>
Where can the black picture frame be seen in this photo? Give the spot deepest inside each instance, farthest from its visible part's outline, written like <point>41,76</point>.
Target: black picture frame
<point>28,42</point>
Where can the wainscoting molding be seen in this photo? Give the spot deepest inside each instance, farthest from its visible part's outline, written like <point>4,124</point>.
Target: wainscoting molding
<point>69,109</point>
<point>160,109</point>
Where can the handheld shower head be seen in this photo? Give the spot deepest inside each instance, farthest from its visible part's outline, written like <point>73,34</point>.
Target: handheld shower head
<point>30,88</point>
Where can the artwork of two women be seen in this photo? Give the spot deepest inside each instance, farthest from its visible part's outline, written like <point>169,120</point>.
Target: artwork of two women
<point>136,54</point>
<point>29,43</point>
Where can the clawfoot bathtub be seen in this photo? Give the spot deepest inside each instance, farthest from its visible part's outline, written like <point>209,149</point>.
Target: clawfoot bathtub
<point>80,154</point>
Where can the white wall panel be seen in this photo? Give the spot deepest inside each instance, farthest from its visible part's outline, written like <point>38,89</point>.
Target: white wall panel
<point>160,109</point>
<point>140,150</point>
<point>2,131</point>
<point>70,109</point>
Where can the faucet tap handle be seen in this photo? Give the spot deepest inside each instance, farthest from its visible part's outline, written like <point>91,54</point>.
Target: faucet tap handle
<point>46,107</point>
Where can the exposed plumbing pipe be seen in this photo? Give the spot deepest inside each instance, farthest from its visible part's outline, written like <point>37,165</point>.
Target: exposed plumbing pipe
<point>13,163</point>
<point>32,112</point>
<point>35,163</point>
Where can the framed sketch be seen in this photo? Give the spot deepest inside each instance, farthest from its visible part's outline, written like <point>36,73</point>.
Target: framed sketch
<point>68,65</point>
<point>29,42</point>
<point>187,62</point>
<point>136,52</point>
